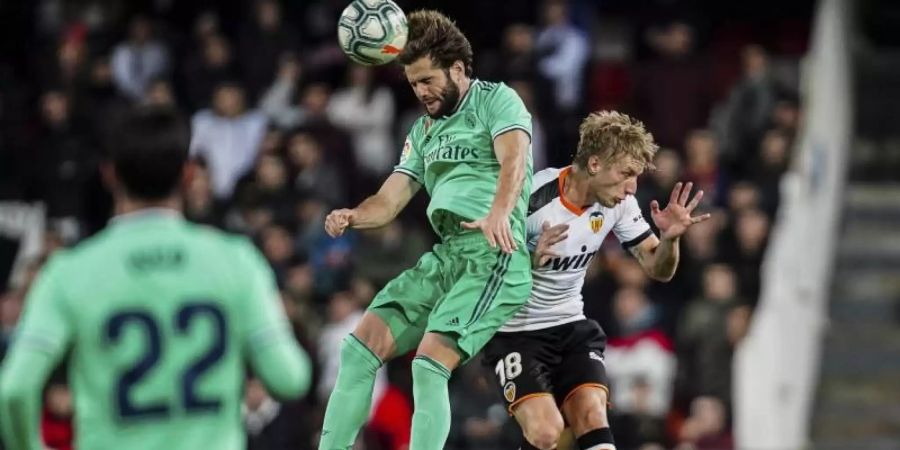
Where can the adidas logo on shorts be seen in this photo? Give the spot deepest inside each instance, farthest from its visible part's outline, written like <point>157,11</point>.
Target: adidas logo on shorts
<point>453,322</point>
<point>595,356</point>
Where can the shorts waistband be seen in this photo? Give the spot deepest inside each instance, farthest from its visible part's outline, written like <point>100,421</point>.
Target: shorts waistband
<point>464,238</point>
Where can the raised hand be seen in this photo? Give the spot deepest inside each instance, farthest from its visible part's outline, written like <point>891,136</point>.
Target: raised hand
<point>548,238</point>
<point>676,218</point>
<point>337,221</point>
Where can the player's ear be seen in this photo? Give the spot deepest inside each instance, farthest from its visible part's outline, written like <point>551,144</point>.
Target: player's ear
<point>108,175</point>
<point>187,173</point>
<point>594,164</point>
<point>458,69</point>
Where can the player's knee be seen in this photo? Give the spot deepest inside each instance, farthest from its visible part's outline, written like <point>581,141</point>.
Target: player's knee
<point>544,433</point>
<point>355,352</point>
<point>373,333</point>
<point>592,416</point>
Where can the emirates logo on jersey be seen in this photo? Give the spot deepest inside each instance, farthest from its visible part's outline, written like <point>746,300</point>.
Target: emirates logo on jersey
<point>596,221</point>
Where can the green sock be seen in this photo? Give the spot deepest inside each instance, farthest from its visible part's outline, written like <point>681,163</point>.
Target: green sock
<point>431,417</point>
<point>349,404</point>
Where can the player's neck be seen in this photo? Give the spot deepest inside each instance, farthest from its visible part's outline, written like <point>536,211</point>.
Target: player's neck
<point>464,84</point>
<point>126,204</point>
<point>576,187</point>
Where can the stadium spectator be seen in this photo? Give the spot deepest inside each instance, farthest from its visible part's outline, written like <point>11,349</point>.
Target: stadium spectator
<point>768,166</point>
<point>227,137</point>
<point>743,246</point>
<point>203,72</point>
<point>263,42</point>
<point>640,350</point>
<point>702,163</point>
<point>200,205</point>
<point>703,343</point>
<point>674,94</point>
<point>746,112</point>
<point>382,253</point>
<point>64,156</point>
<point>272,424</point>
<point>707,426</point>
<point>313,173</point>
<point>139,60</point>
<point>563,52</point>
<point>365,110</point>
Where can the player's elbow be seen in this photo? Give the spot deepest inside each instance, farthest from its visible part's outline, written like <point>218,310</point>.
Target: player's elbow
<point>294,380</point>
<point>13,393</point>
<point>658,274</point>
<point>663,277</point>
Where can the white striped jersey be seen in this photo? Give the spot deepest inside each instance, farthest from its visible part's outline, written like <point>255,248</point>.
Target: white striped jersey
<point>556,292</point>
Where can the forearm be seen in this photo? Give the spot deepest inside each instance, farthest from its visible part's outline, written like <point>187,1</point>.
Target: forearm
<point>375,211</point>
<point>284,368</point>
<point>509,185</point>
<point>21,383</point>
<point>664,260</point>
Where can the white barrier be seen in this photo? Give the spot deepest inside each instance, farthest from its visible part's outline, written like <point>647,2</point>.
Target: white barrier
<point>776,366</point>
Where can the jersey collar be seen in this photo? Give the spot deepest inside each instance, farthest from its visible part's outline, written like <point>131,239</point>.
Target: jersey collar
<point>575,209</point>
<point>145,214</point>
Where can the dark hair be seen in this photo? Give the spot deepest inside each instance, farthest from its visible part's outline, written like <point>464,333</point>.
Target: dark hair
<point>434,34</point>
<point>148,150</point>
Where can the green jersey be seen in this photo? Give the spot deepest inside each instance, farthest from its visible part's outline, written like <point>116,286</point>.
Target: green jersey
<point>453,156</point>
<point>159,317</point>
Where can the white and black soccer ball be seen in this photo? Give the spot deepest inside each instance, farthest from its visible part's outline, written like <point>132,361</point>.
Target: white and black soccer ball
<point>372,32</point>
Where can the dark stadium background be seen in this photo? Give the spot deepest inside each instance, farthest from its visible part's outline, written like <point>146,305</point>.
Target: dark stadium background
<point>716,82</point>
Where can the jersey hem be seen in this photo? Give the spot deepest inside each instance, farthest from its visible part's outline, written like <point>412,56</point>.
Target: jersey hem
<point>637,240</point>
<point>510,128</point>
<point>524,328</point>
<point>410,174</point>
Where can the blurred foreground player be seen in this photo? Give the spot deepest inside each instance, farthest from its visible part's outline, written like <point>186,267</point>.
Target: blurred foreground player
<point>158,316</point>
<point>549,357</point>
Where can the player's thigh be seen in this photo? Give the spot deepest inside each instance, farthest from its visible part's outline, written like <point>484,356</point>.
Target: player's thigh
<point>489,287</point>
<point>581,384</point>
<point>520,363</point>
<point>540,420</point>
<point>405,303</point>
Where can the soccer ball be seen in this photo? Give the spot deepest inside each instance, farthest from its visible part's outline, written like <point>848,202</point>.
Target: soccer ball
<point>372,32</point>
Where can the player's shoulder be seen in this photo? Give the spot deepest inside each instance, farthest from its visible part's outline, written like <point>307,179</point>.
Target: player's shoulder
<point>227,242</point>
<point>417,129</point>
<point>544,188</point>
<point>628,205</point>
<point>487,90</point>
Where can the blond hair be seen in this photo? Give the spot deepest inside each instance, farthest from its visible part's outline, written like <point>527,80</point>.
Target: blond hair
<point>433,34</point>
<point>611,135</point>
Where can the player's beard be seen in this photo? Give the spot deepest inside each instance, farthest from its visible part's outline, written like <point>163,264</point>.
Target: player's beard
<point>449,98</point>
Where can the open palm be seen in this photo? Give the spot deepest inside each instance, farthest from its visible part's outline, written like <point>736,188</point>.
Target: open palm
<point>676,218</point>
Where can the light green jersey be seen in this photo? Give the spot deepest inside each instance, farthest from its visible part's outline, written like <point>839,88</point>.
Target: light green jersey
<point>159,316</point>
<point>453,156</point>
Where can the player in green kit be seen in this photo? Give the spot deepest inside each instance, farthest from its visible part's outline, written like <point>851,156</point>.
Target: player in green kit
<point>472,153</point>
<point>159,317</point>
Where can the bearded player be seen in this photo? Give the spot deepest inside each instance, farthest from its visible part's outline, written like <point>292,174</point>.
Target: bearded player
<point>548,359</point>
<point>471,152</point>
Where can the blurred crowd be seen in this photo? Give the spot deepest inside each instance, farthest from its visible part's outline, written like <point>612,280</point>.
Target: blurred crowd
<point>284,129</point>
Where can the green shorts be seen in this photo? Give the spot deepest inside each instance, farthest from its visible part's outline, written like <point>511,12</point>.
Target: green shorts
<point>463,289</point>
